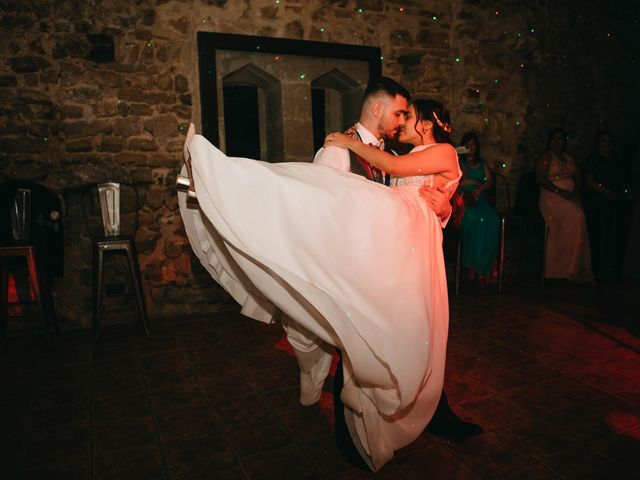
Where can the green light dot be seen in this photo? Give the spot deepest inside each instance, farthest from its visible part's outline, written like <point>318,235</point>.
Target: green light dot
<point>486,120</point>
<point>458,59</point>
<point>149,44</point>
<point>532,30</point>
<point>435,18</point>
<point>517,124</point>
<point>322,29</point>
<point>302,75</point>
<point>519,34</point>
<point>496,81</point>
<point>258,47</point>
<point>504,165</point>
<point>359,10</point>
<point>45,139</point>
<point>381,57</point>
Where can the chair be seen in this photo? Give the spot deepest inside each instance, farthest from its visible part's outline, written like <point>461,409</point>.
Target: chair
<point>30,235</point>
<point>528,221</point>
<point>105,198</point>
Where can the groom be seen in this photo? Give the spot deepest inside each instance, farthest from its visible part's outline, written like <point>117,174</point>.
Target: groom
<point>383,111</point>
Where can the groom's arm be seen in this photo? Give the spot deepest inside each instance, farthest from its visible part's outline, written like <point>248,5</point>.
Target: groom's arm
<point>334,157</point>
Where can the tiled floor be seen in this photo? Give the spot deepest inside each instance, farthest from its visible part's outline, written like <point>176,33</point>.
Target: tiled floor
<point>552,374</point>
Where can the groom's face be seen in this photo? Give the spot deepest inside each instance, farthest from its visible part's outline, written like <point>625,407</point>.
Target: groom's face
<point>392,116</point>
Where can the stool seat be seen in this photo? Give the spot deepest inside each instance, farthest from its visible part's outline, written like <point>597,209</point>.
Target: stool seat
<point>39,284</point>
<point>127,244</point>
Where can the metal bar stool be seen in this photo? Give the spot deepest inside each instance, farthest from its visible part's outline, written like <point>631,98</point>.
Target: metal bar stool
<point>107,195</point>
<point>126,244</point>
<point>38,284</point>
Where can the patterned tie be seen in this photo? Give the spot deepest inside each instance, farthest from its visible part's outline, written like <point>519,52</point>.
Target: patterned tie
<point>375,172</point>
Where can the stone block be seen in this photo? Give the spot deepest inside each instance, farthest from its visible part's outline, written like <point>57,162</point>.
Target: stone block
<point>127,127</point>
<point>81,145</point>
<point>142,144</point>
<point>141,175</point>
<point>8,81</point>
<point>71,111</point>
<point>162,126</point>
<point>84,129</point>
<point>181,83</point>
<point>111,144</point>
<point>71,46</point>
<point>128,158</point>
<point>28,63</point>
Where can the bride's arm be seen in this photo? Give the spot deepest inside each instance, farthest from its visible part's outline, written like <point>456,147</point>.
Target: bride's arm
<point>441,158</point>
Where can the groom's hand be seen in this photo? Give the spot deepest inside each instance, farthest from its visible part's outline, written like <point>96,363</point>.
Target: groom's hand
<point>438,200</point>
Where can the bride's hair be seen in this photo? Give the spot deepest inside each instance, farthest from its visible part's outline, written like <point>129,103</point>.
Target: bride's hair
<point>434,111</point>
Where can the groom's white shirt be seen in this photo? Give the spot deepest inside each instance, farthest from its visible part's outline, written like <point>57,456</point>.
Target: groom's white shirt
<point>338,157</point>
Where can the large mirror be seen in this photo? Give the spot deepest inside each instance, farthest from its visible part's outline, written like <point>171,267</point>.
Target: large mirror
<point>274,99</point>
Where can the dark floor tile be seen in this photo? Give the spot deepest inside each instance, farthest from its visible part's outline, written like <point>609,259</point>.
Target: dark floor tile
<point>572,389</point>
<point>179,395</point>
<point>196,418</point>
<point>581,424</point>
<point>69,445</point>
<point>172,361</point>
<point>287,463</point>
<point>13,425</point>
<point>285,399</point>
<point>607,380</point>
<point>622,449</point>
<point>196,457</point>
<point>257,437</point>
<point>537,438</point>
<point>109,409</point>
<point>436,462</point>
<point>156,344</point>
<point>57,419</point>
<point>123,434</point>
<point>530,472</point>
<point>137,463</point>
<point>536,400</point>
<point>276,379</point>
<point>491,412</point>
<point>617,412</point>
<point>223,367</point>
<point>207,353</point>
<point>306,423</point>
<point>228,387</point>
<point>74,471</point>
<point>231,471</point>
<point>72,392</point>
<point>585,464</point>
<point>115,366</point>
<point>159,382</point>
<point>326,457</point>
<point>243,409</point>
<point>120,384</point>
<point>488,454</point>
<point>112,352</point>
<point>9,454</point>
<point>462,388</point>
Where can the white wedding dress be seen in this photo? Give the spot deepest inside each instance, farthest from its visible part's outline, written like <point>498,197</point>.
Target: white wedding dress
<point>356,263</point>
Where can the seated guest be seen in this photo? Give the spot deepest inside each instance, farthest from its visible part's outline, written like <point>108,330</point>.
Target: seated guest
<point>568,251</point>
<point>480,223</point>
<point>607,206</point>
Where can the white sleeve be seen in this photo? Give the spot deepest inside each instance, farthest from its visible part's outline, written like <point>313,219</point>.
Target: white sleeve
<point>334,157</point>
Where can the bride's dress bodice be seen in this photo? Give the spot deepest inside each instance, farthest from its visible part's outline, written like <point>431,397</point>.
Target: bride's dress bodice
<point>414,183</point>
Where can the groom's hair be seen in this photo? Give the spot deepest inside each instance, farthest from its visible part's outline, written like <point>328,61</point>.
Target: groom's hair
<point>387,86</point>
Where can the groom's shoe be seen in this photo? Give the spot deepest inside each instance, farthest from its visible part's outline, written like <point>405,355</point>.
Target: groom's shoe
<point>448,424</point>
<point>343,437</point>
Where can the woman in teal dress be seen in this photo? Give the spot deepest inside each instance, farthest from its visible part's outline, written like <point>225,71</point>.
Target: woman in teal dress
<point>480,223</point>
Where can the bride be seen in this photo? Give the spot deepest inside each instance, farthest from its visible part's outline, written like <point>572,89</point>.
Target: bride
<point>355,263</point>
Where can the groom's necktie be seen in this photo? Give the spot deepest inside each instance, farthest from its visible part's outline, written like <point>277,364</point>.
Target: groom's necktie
<point>376,173</point>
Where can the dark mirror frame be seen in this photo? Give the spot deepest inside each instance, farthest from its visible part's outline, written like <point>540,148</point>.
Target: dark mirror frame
<point>210,42</point>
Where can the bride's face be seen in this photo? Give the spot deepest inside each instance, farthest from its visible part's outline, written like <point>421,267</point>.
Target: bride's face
<point>408,133</point>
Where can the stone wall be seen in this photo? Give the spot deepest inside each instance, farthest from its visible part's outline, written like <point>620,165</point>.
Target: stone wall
<point>94,91</point>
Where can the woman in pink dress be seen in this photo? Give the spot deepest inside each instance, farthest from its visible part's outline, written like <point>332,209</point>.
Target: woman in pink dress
<point>568,253</point>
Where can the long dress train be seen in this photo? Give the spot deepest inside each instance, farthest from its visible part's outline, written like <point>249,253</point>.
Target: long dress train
<point>356,263</point>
